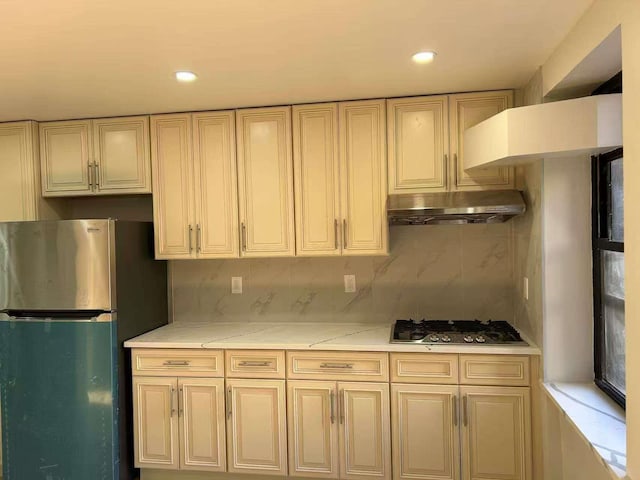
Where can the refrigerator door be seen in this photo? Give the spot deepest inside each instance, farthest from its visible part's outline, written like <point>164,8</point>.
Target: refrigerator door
<point>59,395</point>
<point>57,266</point>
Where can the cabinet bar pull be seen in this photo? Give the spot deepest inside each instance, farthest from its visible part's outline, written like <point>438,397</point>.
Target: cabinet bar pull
<point>198,238</point>
<point>342,406</point>
<point>344,233</point>
<point>254,364</point>
<point>180,403</point>
<point>96,176</point>
<point>465,420</point>
<point>335,233</point>
<point>332,398</point>
<point>229,402</point>
<point>446,170</point>
<point>455,169</point>
<point>176,363</point>
<point>190,232</point>
<point>90,175</point>
<point>336,365</point>
<point>455,410</point>
<point>244,237</point>
<point>172,403</point>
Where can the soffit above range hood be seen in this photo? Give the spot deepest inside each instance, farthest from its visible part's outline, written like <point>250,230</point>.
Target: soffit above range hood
<point>581,126</point>
<point>493,206</point>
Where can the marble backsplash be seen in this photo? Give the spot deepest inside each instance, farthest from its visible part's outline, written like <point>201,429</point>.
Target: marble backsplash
<point>446,271</point>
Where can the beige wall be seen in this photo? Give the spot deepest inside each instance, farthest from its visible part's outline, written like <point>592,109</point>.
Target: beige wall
<point>447,271</point>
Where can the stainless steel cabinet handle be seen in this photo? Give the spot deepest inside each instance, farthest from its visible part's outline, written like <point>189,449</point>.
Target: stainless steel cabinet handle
<point>90,176</point>
<point>335,233</point>
<point>229,402</point>
<point>455,410</point>
<point>332,398</point>
<point>465,419</point>
<point>190,244</point>
<point>96,176</point>
<point>180,403</point>
<point>344,233</point>
<point>446,170</point>
<point>336,365</point>
<point>455,169</point>
<point>176,363</point>
<point>172,402</point>
<point>254,364</point>
<point>244,237</point>
<point>342,406</point>
<point>198,238</point>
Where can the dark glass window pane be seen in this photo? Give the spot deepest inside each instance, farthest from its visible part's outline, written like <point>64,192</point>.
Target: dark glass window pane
<point>613,316</point>
<point>616,221</point>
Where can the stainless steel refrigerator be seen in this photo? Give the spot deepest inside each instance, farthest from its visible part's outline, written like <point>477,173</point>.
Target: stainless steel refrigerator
<point>71,292</point>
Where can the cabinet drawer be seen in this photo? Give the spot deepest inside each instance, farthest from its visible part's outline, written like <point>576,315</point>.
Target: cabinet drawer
<point>424,368</point>
<point>179,362</point>
<point>494,370</point>
<point>254,364</point>
<point>353,366</point>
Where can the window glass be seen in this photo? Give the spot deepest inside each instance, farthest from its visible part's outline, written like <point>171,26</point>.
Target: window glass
<point>616,224</point>
<point>613,316</point>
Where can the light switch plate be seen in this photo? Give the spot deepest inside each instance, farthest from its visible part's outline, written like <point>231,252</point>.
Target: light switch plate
<point>236,284</point>
<point>349,284</point>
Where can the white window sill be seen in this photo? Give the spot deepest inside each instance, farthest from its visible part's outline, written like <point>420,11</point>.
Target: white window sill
<point>597,418</point>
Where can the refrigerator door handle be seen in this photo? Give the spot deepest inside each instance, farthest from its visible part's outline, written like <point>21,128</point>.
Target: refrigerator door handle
<point>57,318</point>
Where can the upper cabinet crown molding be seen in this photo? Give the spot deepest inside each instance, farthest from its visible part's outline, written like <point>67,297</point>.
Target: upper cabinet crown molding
<point>95,157</point>
<point>580,126</point>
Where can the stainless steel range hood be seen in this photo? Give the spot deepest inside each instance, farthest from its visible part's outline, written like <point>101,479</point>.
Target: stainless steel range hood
<point>493,206</point>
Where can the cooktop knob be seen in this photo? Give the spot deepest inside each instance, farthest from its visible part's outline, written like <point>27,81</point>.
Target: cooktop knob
<point>468,338</point>
<point>446,338</point>
<point>480,339</point>
<point>434,338</point>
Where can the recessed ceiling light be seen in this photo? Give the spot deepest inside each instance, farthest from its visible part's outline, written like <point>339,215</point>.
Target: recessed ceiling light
<point>185,76</point>
<point>424,57</point>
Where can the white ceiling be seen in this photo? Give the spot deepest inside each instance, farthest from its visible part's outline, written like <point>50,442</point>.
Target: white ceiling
<point>64,59</point>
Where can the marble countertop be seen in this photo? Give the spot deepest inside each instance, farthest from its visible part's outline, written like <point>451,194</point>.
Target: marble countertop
<point>300,336</point>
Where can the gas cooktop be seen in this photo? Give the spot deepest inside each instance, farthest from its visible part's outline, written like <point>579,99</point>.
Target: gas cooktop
<point>432,332</point>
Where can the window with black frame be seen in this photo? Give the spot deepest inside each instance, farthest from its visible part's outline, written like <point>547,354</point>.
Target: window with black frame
<point>608,274</point>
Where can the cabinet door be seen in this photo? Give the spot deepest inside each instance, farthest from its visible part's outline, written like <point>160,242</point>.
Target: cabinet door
<point>467,110</point>
<point>365,446</point>
<point>316,179</point>
<point>216,180</point>
<point>426,441</point>
<point>313,432</point>
<point>173,216</point>
<point>202,429</point>
<point>19,190</point>
<point>155,422</point>
<point>265,181</point>
<point>121,153</point>
<point>364,177</point>
<point>418,144</point>
<point>256,429</point>
<point>496,433</point>
<point>65,154</point>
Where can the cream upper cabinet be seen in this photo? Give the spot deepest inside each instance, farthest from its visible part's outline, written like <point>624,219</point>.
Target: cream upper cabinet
<point>155,422</point>
<point>316,179</point>
<point>173,209</point>
<point>202,425</point>
<point>465,111</point>
<point>19,172</point>
<point>365,447</point>
<point>426,441</point>
<point>265,182</point>
<point>496,433</point>
<point>313,429</point>
<point>418,144</point>
<point>256,426</point>
<point>363,177</point>
<point>95,157</point>
<point>195,196</point>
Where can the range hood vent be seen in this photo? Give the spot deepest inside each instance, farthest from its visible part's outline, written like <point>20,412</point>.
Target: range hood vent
<point>494,206</point>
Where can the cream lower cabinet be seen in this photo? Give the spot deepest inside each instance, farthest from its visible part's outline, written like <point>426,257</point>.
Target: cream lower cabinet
<point>95,157</point>
<point>179,423</point>
<point>256,426</point>
<point>339,429</point>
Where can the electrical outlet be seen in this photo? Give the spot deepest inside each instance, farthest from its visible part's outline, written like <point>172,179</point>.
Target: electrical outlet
<point>349,284</point>
<point>525,288</point>
<point>236,284</point>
